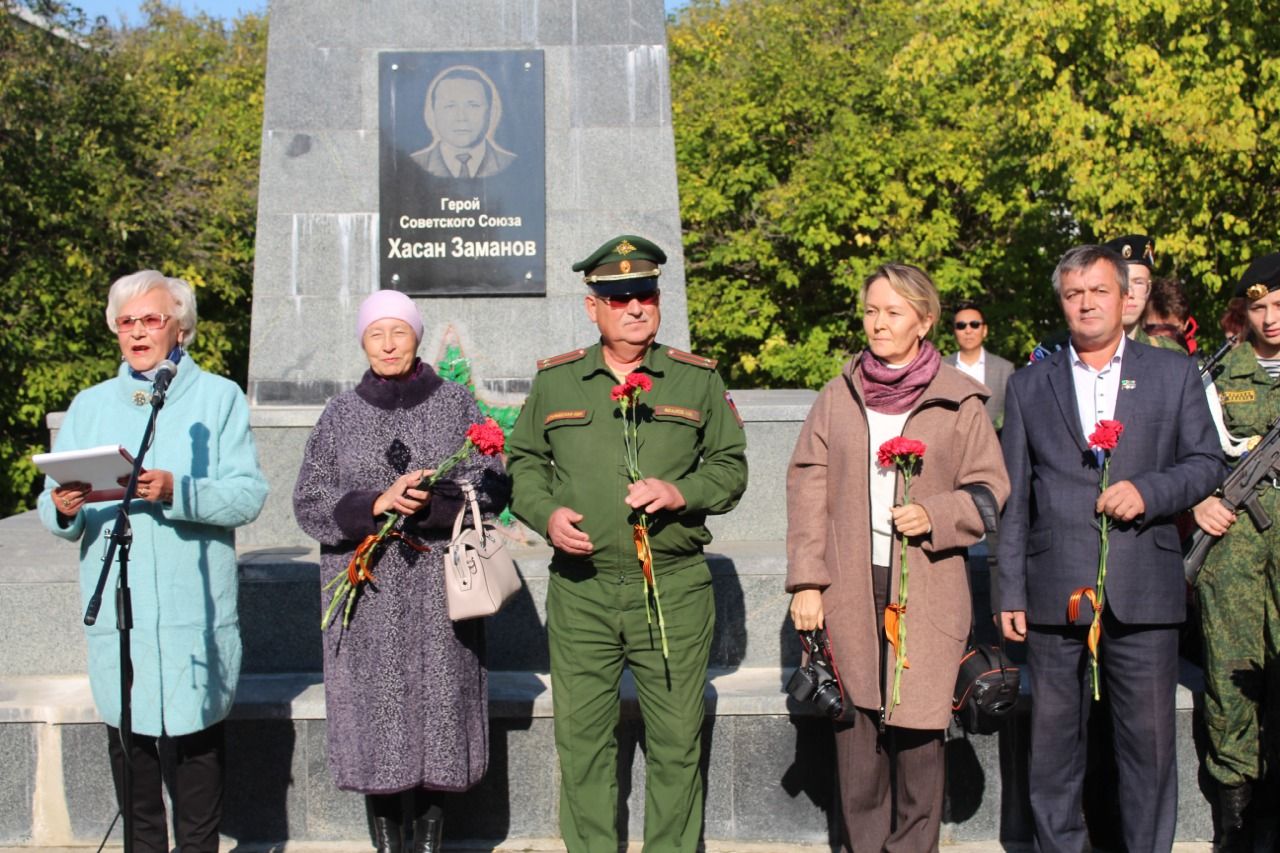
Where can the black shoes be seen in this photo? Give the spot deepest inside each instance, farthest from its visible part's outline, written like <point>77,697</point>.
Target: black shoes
<point>428,830</point>
<point>1233,834</point>
<point>388,835</point>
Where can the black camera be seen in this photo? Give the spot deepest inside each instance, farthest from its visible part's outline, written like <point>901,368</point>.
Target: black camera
<point>817,680</point>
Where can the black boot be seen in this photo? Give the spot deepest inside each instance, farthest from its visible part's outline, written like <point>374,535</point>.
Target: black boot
<point>428,831</point>
<point>1233,834</point>
<point>386,818</point>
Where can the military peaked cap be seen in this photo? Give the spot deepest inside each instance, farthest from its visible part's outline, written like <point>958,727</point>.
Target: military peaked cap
<point>1262,277</point>
<point>623,266</point>
<point>1136,249</point>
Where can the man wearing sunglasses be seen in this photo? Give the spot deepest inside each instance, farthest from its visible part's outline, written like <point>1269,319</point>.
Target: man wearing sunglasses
<point>571,483</point>
<point>972,358</point>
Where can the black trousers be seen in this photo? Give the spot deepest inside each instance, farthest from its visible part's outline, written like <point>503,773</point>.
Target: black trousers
<point>197,789</point>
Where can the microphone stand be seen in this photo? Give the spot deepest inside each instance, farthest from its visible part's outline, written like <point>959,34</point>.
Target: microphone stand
<point>121,538</point>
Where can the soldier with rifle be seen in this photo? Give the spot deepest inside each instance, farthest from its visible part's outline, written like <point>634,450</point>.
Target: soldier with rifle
<point>1239,583</point>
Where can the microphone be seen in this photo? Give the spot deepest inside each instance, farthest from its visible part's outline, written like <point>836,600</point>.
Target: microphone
<point>164,375</point>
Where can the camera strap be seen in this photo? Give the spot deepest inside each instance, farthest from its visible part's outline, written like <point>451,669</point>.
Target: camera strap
<point>884,643</point>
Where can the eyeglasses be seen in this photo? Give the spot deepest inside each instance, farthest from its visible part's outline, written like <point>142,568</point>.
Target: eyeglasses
<point>620,302</point>
<point>149,321</point>
<point>971,324</point>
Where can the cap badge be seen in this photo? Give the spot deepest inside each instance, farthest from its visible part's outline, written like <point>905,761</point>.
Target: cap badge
<point>1256,291</point>
<point>625,266</point>
<point>1126,251</point>
<point>624,248</point>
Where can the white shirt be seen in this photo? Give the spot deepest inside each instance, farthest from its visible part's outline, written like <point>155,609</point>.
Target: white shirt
<point>1096,390</point>
<point>884,483</point>
<point>978,370</point>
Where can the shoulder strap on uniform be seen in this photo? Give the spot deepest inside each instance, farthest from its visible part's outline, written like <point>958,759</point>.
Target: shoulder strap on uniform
<point>562,358</point>
<point>690,358</point>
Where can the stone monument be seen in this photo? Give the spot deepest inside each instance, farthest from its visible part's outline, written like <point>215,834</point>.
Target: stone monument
<point>562,111</point>
<point>598,159</point>
<point>609,169</point>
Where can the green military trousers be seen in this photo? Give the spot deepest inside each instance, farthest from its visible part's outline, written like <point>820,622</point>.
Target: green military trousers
<point>1239,591</point>
<point>596,624</point>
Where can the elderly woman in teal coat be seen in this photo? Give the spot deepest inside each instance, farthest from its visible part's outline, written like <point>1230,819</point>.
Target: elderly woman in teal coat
<point>201,482</point>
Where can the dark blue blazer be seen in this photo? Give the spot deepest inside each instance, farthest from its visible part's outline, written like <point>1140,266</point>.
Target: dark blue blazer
<point>1048,544</point>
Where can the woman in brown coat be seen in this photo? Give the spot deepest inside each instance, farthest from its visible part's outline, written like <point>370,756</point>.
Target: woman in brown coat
<point>843,550</point>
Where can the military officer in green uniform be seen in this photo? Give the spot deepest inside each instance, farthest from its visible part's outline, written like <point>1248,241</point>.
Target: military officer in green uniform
<point>571,484</point>
<point>1239,585</point>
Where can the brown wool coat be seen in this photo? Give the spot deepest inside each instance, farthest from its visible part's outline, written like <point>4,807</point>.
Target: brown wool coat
<point>829,536</point>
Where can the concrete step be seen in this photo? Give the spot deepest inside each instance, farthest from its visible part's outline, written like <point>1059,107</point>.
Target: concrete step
<point>768,764</point>
<point>280,607</point>
<point>56,789</point>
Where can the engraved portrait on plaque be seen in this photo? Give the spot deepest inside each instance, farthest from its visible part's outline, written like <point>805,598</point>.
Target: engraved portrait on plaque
<point>462,173</point>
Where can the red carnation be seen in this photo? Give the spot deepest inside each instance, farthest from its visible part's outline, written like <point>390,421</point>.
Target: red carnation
<point>639,381</point>
<point>487,437</point>
<point>1106,435</point>
<point>900,451</point>
<point>619,393</point>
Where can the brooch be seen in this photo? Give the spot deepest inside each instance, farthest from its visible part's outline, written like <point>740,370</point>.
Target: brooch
<point>139,398</point>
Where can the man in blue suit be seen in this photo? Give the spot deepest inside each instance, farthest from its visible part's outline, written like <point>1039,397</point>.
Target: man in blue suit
<point>1166,461</point>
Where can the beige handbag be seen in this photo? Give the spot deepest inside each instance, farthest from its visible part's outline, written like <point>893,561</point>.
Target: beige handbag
<point>479,574</point>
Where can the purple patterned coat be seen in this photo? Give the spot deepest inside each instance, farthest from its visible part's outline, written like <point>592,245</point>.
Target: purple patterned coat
<point>405,687</point>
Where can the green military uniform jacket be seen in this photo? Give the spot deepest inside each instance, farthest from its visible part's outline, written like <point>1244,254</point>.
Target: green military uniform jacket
<point>566,449</point>
<point>1250,400</point>
<point>1159,341</point>
<point>1239,593</point>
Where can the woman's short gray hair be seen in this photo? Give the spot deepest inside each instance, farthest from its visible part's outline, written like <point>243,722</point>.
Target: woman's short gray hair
<point>130,287</point>
<point>912,284</point>
<point>1081,258</point>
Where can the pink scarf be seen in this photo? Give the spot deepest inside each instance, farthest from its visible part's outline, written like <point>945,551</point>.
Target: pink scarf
<point>893,391</point>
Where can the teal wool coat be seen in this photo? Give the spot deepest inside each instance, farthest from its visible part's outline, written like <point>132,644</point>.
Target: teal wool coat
<point>182,567</point>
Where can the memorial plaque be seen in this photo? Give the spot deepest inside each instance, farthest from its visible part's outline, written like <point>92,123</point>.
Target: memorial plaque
<point>462,173</point>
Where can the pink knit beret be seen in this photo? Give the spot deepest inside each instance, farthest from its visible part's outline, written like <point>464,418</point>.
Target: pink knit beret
<point>388,303</point>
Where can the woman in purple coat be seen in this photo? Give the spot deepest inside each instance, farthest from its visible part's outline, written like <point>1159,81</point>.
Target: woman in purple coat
<point>405,687</point>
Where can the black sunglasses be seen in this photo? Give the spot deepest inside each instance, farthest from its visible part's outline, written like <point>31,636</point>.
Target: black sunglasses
<point>972,324</point>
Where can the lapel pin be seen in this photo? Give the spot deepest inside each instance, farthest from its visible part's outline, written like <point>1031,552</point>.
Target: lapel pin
<point>1128,384</point>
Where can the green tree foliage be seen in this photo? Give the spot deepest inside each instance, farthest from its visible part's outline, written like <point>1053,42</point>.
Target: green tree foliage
<point>119,151</point>
<point>816,139</point>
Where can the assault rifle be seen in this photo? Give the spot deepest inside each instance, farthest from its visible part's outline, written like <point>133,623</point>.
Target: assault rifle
<point>1212,361</point>
<point>1240,489</point>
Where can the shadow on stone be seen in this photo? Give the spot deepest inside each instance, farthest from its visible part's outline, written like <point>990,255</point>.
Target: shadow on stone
<point>729,642</point>
<point>259,779</point>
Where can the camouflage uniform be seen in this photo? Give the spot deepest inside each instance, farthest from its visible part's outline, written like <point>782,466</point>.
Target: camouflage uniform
<point>1239,591</point>
<point>1158,341</point>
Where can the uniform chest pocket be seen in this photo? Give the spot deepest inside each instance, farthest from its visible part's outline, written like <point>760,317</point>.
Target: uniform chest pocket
<point>676,430</point>
<point>575,444</point>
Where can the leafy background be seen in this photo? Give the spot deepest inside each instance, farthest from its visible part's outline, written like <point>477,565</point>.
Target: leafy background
<point>815,139</point>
